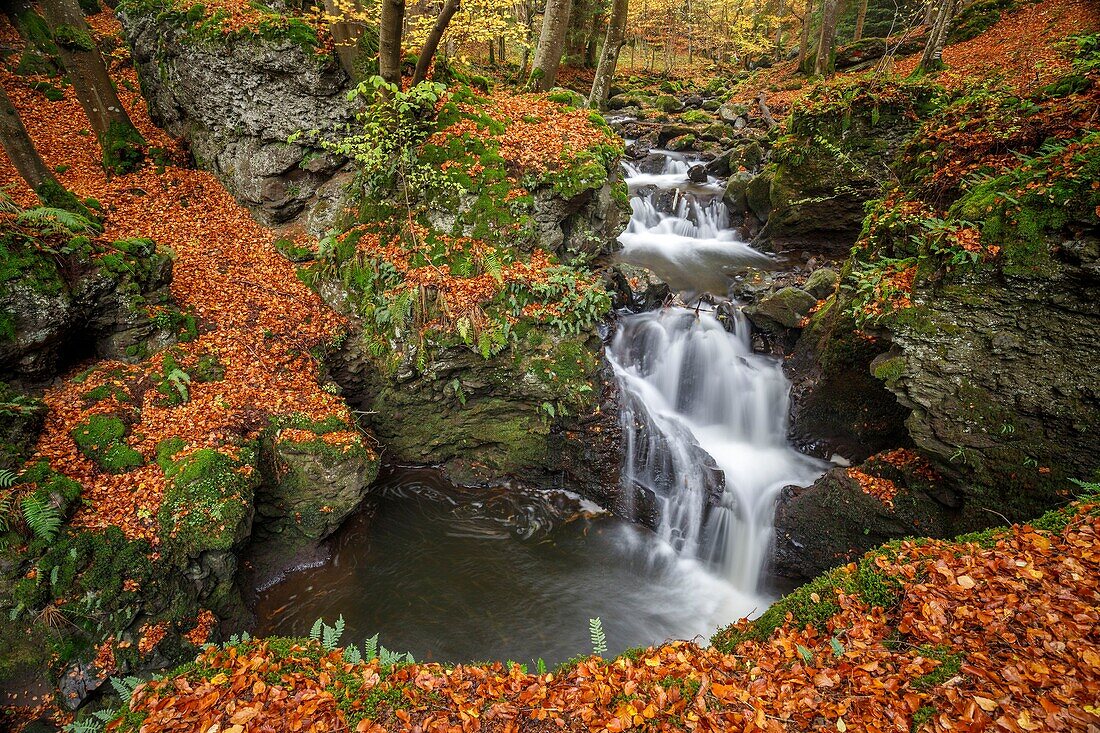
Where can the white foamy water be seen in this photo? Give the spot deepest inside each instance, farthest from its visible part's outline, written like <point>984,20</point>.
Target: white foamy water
<point>688,244</point>
<point>691,388</point>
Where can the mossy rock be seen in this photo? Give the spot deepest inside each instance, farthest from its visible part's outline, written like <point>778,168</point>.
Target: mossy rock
<point>101,439</point>
<point>783,309</point>
<point>208,504</point>
<point>668,104</point>
<point>736,195</point>
<point>821,283</point>
<point>758,195</point>
<point>22,418</point>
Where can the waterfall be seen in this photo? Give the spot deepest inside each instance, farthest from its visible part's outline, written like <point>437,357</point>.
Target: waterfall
<point>696,399</point>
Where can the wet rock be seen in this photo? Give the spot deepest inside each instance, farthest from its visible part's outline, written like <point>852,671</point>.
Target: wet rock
<point>309,489</point>
<point>749,157</point>
<point>681,143</point>
<point>783,309</point>
<point>736,195</point>
<point>818,197</point>
<point>668,132</point>
<point>731,112</point>
<point>833,522</point>
<point>821,283</point>
<point>837,404</point>
<point>697,173</point>
<point>77,683</point>
<point>720,166</point>
<point>758,195</point>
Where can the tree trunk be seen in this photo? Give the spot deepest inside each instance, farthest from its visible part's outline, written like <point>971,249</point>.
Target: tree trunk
<point>121,143</point>
<point>861,18</point>
<point>932,59</point>
<point>431,43</point>
<point>823,64</point>
<point>500,49</point>
<point>347,25</point>
<point>17,144</point>
<point>609,57</point>
<point>804,43</point>
<point>390,32</point>
<point>555,24</point>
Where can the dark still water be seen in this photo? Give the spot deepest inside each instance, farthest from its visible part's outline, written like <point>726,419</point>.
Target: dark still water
<point>457,575</point>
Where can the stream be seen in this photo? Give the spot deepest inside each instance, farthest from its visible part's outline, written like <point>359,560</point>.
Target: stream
<point>455,575</point>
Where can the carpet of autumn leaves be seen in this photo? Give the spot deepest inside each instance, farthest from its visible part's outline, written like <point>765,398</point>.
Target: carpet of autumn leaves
<point>254,315</point>
<point>999,633</point>
<point>1021,49</point>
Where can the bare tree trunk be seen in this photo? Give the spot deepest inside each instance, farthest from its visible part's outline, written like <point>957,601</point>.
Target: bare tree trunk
<point>20,149</point>
<point>555,24</point>
<point>431,43</point>
<point>529,21</point>
<point>390,32</point>
<point>500,49</point>
<point>932,59</point>
<point>609,57</point>
<point>121,143</point>
<point>823,64</point>
<point>804,43</point>
<point>347,25</point>
<point>861,18</point>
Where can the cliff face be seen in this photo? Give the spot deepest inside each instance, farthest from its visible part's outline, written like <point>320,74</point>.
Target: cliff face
<point>974,301</point>
<point>237,100</point>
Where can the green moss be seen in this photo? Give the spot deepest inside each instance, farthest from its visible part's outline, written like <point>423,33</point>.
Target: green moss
<point>924,714</point>
<point>123,148</point>
<point>890,370</point>
<point>208,502</point>
<point>950,664</point>
<point>292,251</point>
<point>73,38</point>
<point>101,440</point>
<point>695,116</point>
<point>978,17</point>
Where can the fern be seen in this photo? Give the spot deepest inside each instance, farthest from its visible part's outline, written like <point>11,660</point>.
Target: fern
<point>329,636</point>
<point>7,478</point>
<point>52,219</point>
<point>491,262</point>
<point>42,515</point>
<point>352,654</point>
<point>597,636</point>
<point>125,688</point>
<point>370,648</point>
<point>180,379</point>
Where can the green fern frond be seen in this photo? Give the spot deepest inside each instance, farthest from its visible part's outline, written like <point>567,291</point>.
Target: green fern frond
<point>54,219</point>
<point>42,516</point>
<point>597,636</point>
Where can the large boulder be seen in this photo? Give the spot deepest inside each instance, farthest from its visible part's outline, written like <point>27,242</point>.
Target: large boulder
<point>87,303</point>
<point>237,101</point>
<point>836,158</point>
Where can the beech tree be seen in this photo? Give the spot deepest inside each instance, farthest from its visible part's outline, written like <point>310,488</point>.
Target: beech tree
<point>390,32</point>
<point>823,64</point>
<point>122,145</point>
<point>431,43</point>
<point>609,57</point>
<point>861,18</point>
<point>555,25</point>
<point>23,155</point>
<point>932,58</point>
<point>347,24</point>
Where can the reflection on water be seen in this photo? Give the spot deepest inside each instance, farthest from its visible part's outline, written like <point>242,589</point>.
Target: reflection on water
<point>453,575</point>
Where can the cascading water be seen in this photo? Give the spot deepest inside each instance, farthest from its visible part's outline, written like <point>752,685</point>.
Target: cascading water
<point>692,388</point>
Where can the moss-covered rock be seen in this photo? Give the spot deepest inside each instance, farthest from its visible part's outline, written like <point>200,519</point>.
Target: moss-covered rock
<point>668,103</point>
<point>64,297</point>
<point>21,420</point>
<point>836,156</point>
<point>782,309</point>
<point>102,439</point>
<point>315,475</point>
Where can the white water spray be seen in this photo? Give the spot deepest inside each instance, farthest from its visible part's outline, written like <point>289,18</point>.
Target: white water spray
<point>691,388</point>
